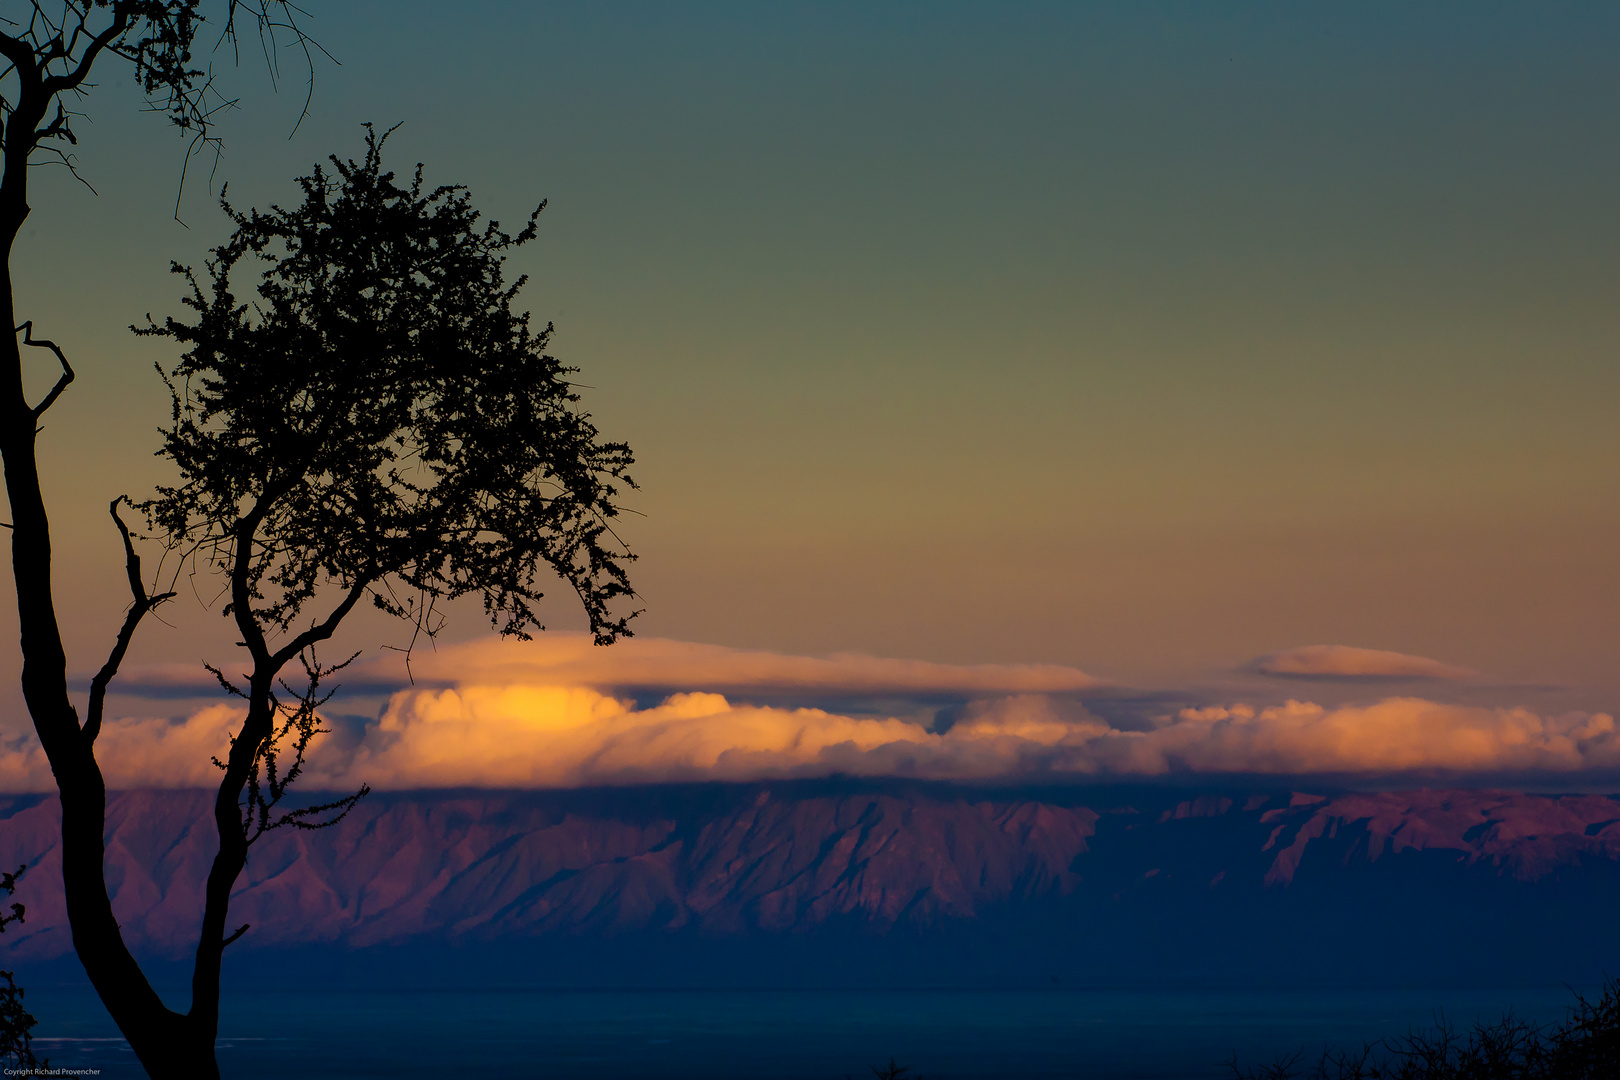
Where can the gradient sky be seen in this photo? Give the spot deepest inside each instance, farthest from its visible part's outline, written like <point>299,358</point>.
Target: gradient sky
<point>1141,339</point>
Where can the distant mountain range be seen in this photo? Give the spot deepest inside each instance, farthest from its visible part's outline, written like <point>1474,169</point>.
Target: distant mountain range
<point>873,882</point>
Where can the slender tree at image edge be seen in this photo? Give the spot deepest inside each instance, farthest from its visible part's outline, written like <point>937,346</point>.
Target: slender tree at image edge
<point>155,36</point>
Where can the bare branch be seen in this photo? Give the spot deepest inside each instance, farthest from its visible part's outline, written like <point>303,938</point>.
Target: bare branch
<point>58,128</point>
<point>139,606</point>
<point>238,932</point>
<point>226,685</point>
<point>64,160</point>
<point>27,329</point>
<point>325,629</point>
<point>55,84</point>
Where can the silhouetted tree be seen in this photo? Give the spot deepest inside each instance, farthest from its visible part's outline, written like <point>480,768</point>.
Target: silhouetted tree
<point>378,423</point>
<point>49,53</point>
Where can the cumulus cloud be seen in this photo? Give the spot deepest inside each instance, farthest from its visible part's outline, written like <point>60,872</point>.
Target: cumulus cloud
<point>136,752</point>
<point>570,736</point>
<point>481,735</point>
<point>523,736</point>
<point>497,715</point>
<point>1347,662</point>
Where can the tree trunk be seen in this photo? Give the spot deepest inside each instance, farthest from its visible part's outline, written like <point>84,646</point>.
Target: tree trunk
<point>231,859</point>
<point>167,1043</point>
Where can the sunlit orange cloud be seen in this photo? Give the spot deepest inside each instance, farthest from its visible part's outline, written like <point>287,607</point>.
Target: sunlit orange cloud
<point>136,752</point>
<point>539,736</point>
<point>493,714</point>
<point>1344,661</point>
<point>481,735</point>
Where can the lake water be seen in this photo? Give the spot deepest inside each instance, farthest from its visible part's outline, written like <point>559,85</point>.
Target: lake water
<point>788,1034</point>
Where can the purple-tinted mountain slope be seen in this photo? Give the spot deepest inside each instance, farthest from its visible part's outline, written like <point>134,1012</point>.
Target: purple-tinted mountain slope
<point>943,883</point>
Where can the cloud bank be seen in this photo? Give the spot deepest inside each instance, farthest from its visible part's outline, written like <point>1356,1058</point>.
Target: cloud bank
<point>546,736</point>
<point>1347,662</point>
<point>549,714</point>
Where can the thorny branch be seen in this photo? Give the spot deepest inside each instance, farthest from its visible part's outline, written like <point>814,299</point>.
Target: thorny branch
<point>299,723</point>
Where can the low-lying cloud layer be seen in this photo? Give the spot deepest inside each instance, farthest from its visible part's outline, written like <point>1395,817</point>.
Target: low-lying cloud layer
<point>548,713</point>
<point>655,664</point>
<point>522,736</point>
<point>1348,662</point>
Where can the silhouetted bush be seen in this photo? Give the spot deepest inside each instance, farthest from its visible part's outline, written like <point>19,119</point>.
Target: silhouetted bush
<point>16,1022</point>
<point>891,1071</point>
<point>16,1026</point>
<point>1586,1046</point>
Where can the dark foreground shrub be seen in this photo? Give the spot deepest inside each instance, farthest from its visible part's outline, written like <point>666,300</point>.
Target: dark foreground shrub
<point>1586,1046</point>
<point>16,1022</point>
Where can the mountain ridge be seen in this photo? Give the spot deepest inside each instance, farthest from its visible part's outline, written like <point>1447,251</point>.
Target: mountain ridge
<point>1122,879</point>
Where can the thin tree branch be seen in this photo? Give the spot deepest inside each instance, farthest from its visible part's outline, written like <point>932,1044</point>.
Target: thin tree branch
<point>323,630</point>
<point>141,604</point>
<point>55,84</point>
<point>27,329</point>
<point>59,127</point>
<point>65,160</point>
<point>242,590</point>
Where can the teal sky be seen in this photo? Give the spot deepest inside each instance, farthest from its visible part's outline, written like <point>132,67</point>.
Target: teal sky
<point>1140,338</point>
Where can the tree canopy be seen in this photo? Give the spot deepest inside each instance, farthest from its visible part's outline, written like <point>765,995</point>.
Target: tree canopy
<point>380,419</point>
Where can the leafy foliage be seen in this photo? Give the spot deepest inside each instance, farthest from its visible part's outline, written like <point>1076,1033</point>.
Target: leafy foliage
<point>381,419</point>
<point>16,1026</point>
